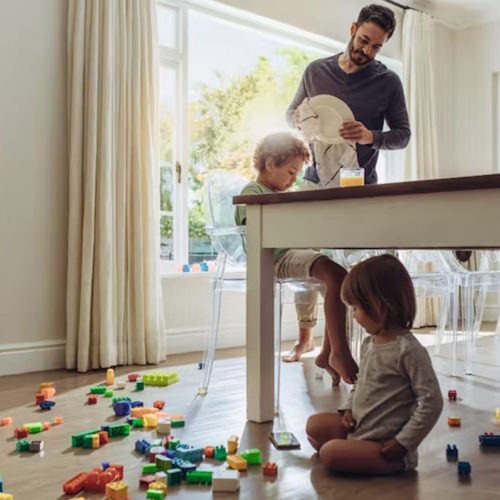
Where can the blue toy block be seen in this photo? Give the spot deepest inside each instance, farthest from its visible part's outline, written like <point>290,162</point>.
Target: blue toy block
<point>204,267</point>
<point>464,469</point>
<point>1,485</point>
<point>47,405</point>
<point>105,428</point>
<point>142,446</point>
<point>122,408</point>
<point>186,268</point>
<point>190,453</point>
<point>105,465</point>
<point>489,439</point>
<point>135,404</point>
<point>452,452</point>
<point>170,453</point>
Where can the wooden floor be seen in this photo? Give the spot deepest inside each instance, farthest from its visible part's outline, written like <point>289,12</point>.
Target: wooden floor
<point>211,419</point>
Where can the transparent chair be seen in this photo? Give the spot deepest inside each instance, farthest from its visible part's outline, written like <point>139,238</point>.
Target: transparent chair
<point>228,241</point>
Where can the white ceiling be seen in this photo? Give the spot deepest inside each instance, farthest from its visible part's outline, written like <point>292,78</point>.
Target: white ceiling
<point>460,14</point>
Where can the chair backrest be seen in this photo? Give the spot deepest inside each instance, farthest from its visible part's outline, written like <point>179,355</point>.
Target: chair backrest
<point>218,190</point>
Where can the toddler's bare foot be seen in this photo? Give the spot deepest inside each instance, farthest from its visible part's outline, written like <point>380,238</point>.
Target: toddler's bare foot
<point>297,350</point>
<point>322,361</point>
<point>345,365</point>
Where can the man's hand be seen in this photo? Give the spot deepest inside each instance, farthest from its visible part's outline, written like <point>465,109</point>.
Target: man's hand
<point>356,132</point>
<point>392,450</point>
<point>347,421</point>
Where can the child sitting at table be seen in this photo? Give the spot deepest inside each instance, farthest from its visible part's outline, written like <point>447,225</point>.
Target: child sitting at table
<point>278,159</point>
<point>397,399</point>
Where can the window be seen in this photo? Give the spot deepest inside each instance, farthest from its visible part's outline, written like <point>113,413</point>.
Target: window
<point>226,80</point>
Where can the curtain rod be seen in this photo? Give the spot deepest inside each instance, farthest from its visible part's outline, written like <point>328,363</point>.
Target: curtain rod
<point>401,6</point>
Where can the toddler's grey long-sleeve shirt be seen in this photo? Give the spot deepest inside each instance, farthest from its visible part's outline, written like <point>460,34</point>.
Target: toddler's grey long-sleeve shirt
<point>397,394</point>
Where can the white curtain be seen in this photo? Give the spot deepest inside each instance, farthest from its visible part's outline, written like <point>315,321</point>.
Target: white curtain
<point>113,290</point>
<point>421,159</point>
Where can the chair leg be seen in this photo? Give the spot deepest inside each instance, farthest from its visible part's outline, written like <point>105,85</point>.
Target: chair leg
<point>278,310</point>
<point>209,355</point>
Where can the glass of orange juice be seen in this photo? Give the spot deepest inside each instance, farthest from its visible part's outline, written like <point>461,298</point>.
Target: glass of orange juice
<point>352,177</point>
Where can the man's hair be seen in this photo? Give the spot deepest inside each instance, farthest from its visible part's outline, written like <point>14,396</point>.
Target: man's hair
<point>382,287</point>
<point>281,147</point>
<point>380,15</point>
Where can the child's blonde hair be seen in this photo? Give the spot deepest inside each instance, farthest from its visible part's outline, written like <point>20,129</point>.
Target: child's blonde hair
<point>280,147</point>
<point>382,287</point>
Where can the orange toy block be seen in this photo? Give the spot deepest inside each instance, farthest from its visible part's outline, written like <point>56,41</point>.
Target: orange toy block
<point>119,469</point>
<point>58,420</point>
<point>454,421</point>
<point>75,484</point>
<point>208,451</point>
<point>97,479</point>
<point>270,469</point>
<point>6,421</point>
<point>116,490</point>
<point>48,392</point>
<point>140,411</point>
<point>103,437</point>
<point>159,404</point>
<point>46,426</point>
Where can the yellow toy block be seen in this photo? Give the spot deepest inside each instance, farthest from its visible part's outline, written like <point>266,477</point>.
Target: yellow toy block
<point>116,490</point>
<point>6,496</point>
<point>498,413</point>
<point>150,420</point>
<point>236,462</point>
<point>158,485</point>
<point>45,385</point>
<point>232,444</point>
<point>96,443</point>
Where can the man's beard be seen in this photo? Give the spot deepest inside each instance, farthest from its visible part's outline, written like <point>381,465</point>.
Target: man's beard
<point>356,56</point>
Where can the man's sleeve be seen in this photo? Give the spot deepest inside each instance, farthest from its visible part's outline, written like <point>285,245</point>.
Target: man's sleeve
<point>300,95</point>
<point>396,116</point>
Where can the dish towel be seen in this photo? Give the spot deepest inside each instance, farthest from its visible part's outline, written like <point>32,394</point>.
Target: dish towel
<point>330,158</point>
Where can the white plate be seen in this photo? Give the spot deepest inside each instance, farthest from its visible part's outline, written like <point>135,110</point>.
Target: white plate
<point>325,114</point>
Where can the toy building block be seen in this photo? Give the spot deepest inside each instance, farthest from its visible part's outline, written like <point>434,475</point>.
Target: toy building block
<point>23,445</point>
<point>137,404</point>
<point>451,452</point>
<point>97,479</point>
<point>1,484</point>
<point>116,490</point>
<point>36,446</point>
<point>110,376</point>
<point>185,467</point>
<point>77,439</point>
<point>497,413</point>
<point>174,476</point>
<point>48,392</point>
<point>170,454</point>
<point>121,398</point>
<point>75,484</point>
<point>137,423</point>
<point>96,441</point>
<point>252,456</point>
<point>236,462</point>
<point>173,443</point>
<point>464,469</point>
<point>88,441</point>
<point>148,469</point>
<point>6,496</point>
<point>203,477</point>
<point>103,437</point>
<point>39,398</point>
<point>190,453</point>
<point>118,430</point>
<point>150,420</point>
<point>163,463</point>
<point>220,453</point>
<point>452,395</point>
<point>105,465</point>
<point>120,385</point>
<point>140,411</point>
<point>155,494</point>
<point>454,421</point>
<point>270,469</point>
<point>92,400</point>
<point>146,480</point>
<point>232,444</point>
<point>109,394</point>
<point>142,446</point>
<point>158,485</point>
<point>122,408</point>
<point>45,385</point>
<point>98,389</point>
<point>159,404</point>
<point>208,451</point>
<point>225,480</point>
<point>161,477</point>
<point>177,422</point>
<point>139,385</point>
<point>47,405</point>
<point>34,427</point>
<point>164,426</point>
<point>6,421</point>
<point>58,420</point>
<point>21,432</point>
<point>154,451</point>
<point>161,378</point>
<point>45,426</point>
<point>489,439</point>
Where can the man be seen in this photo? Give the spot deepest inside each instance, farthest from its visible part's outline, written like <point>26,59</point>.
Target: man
<point>373,92</point>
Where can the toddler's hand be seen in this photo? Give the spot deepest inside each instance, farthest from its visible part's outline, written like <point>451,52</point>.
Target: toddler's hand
<point>348,421</point>
<point>392,450</point>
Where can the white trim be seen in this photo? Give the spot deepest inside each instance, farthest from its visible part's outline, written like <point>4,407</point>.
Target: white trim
<point>32,356</point>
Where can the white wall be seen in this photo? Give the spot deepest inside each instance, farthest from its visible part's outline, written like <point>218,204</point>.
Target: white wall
<point>33,183</point>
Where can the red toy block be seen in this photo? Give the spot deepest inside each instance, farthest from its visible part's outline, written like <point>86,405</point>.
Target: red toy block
<point>92,399</point>
<point>270,469</point>
<point>75,484</point>
<point>454,421</point>
<point>145,481</point>
<point>159,404</point>
<point>98,479</point>
<point>208,451</point>
<point>132,377</point>
<point>103,437</point>
<point>452,395</point>
<point>21,432</point>
<point>39,398</point>
<point>119,469</point>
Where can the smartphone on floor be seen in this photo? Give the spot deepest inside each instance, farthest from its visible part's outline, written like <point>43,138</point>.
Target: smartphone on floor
<point>284,440</point>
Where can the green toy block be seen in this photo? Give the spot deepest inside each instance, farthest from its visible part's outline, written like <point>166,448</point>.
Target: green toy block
<point>23,445</point>
<point>149,469</point>
<point>125,398</point>
<point>174,476</point>
<point>177,423</point>
<point>119,430</point>
<point>199,477</point>
<point>87,441</point>
<point>220,453</point>
<point>172,445</point>
<point>155,494</point>
<point>157,442</point>
<point>163,463</point>
<point>252,456</point>
<point>139,386</point>
<point>162,378</point>
<point>77,439</point>
<point>98,389</point>
<point>34,427</point>
<point>137,422</point>
<point>109,394</point>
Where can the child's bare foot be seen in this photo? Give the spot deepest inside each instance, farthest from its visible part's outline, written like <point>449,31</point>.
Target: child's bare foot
<point>297,350</point>
<point>322,361</point>
<point>345,365</point>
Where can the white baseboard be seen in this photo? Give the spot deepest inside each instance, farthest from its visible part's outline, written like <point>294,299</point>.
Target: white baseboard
<point>32,356</point>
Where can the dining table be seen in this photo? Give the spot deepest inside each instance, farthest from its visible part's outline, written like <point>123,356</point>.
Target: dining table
<point>445,213</point>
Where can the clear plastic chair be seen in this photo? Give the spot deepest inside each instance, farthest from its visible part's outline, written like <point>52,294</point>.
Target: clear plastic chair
<point>228,241</point>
